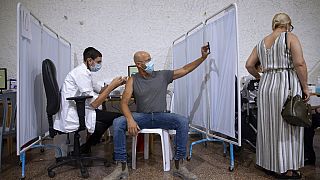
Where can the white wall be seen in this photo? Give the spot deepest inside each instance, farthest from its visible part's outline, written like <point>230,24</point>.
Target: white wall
<point>118,28</point>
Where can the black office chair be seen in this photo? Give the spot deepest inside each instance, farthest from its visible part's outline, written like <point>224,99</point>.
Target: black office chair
<point>53,106</point>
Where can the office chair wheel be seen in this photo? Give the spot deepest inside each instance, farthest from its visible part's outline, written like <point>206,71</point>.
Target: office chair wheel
<point>51,174</point>
<point>84,174</point>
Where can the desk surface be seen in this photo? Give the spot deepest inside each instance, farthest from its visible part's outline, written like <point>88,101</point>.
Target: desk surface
<point>113,103</point>
<point>314,100</point>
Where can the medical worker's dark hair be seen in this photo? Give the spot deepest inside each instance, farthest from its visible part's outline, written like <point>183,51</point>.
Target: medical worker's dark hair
<point>91,52</point>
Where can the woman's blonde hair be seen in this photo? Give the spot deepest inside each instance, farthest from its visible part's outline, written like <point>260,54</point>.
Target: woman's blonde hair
<point>281,20</point>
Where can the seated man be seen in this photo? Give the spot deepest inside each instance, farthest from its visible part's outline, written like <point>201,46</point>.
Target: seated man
<point>78,82</point>
<point>149,88</point>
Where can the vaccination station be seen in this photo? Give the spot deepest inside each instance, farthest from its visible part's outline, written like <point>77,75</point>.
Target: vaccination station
<point>168,89</point>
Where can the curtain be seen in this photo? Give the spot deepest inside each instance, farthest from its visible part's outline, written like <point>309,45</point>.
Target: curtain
<point>221,33</point>
<point>36,43</point>
<point>197,103</point>
<point>180,85</point>
<point>207,96</point>
<point>64,64</point>
<point>29,72</point>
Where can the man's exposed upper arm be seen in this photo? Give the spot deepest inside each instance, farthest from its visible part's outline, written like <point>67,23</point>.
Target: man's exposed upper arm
<point>126,96</point>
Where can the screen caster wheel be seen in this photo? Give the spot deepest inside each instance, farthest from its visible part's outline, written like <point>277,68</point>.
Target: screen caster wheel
<point>51,174</point>
<point>231,169</point>
<point>188,158</point>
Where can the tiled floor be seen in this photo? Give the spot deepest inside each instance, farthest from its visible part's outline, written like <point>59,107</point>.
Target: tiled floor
<point>207,163</point>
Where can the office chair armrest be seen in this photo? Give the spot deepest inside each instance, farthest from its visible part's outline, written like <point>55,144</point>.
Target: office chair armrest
<point>79,98</point>
<point>80,103</point>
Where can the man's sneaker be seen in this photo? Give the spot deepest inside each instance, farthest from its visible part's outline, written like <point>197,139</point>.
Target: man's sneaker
<point>181,171</point>
<point>121,172</point>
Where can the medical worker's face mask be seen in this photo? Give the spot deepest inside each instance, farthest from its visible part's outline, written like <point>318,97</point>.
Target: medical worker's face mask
<point>149,67</point>
<point>96,67</point>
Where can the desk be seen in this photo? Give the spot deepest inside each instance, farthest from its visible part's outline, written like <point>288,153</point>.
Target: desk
<point>112,104</point>
<point>315,94</point>
<point>314,101</point>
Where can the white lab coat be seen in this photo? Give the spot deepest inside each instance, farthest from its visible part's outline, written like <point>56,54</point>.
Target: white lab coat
<point>78,82</point>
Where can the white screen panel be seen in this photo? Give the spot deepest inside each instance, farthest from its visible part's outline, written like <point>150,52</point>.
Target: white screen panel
<point>212,88</point>
<point>197,106</point>
<point>34,44</point>
<point>29,73</point>
<point>222,35</point>
<point>180,85</point>
<point>64,64</point>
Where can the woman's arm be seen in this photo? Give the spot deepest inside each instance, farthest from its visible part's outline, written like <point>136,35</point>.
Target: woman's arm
<point>299,63</point>
<point>251,62</point>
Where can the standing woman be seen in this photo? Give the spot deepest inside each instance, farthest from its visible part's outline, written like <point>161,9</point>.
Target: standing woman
<point>279,144</point>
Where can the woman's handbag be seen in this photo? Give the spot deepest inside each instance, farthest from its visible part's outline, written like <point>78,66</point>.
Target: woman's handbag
<point>295,111</point>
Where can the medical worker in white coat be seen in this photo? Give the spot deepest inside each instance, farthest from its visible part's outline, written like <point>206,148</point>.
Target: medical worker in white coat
<point>79,82</point>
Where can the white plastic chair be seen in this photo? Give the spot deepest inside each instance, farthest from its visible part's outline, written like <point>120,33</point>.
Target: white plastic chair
<point>165,143</point>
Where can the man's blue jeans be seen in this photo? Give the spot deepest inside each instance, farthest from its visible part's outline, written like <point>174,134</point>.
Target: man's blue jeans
<point>151,121</point>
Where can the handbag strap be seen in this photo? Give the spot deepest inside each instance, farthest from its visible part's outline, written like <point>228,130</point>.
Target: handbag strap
<point>287,55</point>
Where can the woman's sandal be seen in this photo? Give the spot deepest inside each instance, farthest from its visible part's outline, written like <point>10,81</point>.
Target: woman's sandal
<point>269,173</point>
<point>295,175</point>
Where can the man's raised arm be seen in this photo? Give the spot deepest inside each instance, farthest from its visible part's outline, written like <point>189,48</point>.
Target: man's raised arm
<point>178,73</point>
